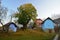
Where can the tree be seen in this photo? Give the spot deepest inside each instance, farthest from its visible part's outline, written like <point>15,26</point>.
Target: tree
<point>3,13</point>
<point>25,13</point>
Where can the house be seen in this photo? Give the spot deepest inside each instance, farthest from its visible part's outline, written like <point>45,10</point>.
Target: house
<point>10,27</point>
<point>38,22</point>
<point>57,26</point>
<point>57,21</point>
<point>48,25</point>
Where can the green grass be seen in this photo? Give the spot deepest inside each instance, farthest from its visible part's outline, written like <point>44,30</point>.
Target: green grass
<point>26,35</point>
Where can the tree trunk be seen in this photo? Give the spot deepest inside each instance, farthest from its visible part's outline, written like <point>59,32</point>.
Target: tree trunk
<point>24,27</point>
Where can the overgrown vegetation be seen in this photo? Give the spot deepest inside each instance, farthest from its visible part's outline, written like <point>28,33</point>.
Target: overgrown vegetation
<point>27,35</point>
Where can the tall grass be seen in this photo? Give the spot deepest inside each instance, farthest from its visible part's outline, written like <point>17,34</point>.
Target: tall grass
<point>27,35</point>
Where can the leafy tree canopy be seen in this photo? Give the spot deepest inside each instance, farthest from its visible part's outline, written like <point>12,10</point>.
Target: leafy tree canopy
<point>25,13</point>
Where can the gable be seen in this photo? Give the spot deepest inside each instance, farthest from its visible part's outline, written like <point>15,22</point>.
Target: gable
<point>49,24</point>
<point>12,27</point>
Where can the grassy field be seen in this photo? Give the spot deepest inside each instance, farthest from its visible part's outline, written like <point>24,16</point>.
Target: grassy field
<point>27,35</point>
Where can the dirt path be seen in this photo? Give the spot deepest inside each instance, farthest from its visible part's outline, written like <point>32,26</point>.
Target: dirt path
<point>56,37</point>
<point>59,37</point>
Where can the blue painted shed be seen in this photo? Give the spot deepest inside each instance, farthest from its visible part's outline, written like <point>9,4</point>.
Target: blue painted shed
<point>10,27</point>
<point>48,24</point>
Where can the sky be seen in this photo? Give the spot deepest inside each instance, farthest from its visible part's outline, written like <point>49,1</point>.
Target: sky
<point>45,8</point>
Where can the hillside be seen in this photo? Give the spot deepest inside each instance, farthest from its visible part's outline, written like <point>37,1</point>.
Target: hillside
<point>27,35</point>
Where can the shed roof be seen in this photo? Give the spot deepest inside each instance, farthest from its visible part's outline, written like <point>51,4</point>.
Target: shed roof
<point>47,19</point>
<point>9,24</point>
